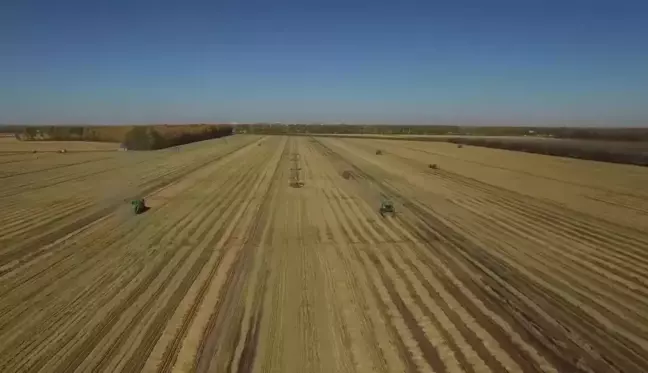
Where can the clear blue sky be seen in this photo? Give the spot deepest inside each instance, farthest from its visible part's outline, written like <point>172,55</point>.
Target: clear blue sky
<point>459,62</point>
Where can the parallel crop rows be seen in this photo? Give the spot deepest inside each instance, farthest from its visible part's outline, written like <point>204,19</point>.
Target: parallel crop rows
<point>575,285</point>
<point>234,270</point>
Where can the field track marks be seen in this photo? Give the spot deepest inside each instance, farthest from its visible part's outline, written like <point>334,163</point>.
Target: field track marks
<point>531,174</point>
<point>555,257</point>
<point>466,357</point>
<point>234,270</point>
<point>373,237</point>
<point>427,219</point>
<point>152,242</point>
<point>497,358</point>
<point>86,213</point>
<point>50,251</point>
<point>54,252</point>
<point>407,356</point>
<point>183,345</point>
<point>453,349</point>
<point>524,209</point>
<point>582,257</point>
<point>291,336</point>
<point>499,322</point>
<point>557,313</point>
<point>213,228</point>
<point>149,334</point>
<point>55,169</point>
<point>152,227</point>
<point>535,237</point>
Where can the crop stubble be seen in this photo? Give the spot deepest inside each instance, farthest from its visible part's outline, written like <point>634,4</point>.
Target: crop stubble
<point>486,266</point>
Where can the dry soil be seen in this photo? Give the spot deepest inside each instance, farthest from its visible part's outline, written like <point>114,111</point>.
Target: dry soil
<point>494,262</point>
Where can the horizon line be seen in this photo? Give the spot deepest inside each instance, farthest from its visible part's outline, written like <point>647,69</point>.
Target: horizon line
<point>319,124</point>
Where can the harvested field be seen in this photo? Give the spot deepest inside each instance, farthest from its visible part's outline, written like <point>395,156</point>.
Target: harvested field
<point>12,145</point>
<point>494,262</point>
<point>624,152</point>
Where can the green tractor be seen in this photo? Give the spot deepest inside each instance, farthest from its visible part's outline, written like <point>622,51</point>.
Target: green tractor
<point>139,206</point>
<point>387,207</point>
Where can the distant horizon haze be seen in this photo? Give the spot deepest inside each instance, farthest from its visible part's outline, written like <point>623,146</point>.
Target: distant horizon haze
<point>470,63</point>
<point>639,126</point>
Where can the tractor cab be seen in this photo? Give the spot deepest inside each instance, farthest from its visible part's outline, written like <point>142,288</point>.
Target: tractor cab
<point>139,206</point>
<point>387,207</point>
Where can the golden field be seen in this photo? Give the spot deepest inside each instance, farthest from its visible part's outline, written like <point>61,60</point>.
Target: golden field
<point>495,262</point>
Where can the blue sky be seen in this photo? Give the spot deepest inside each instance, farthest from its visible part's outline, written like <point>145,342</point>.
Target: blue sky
<point>450,62</point>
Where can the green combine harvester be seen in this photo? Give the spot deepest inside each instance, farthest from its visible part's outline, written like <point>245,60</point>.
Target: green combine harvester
<point>387,207</point>
<point>138,206</point>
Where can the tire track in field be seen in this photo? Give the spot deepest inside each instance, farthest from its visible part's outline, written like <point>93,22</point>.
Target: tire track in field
<point>523,361</point>
<point>505,225</point>
<point>474,211</point>
<point>529,318</point>
<point>586,253</point>
<point>158,191</point>
<point>586,227</point>
<point>574,282</point>
<point>604,290</point>
<point>130,165</point>
<point>461,353</point>
<point>28,185</point>
<point>29,244</point>
<point>218,235</point>
<point>125,240</point>
<point>523,199</point>
<point>458,317</point>
<point>36,219</point>
<point>55,167</point>
<point>216,337</point>
<point>172,349</point>
<point>160,319</point>
<point>317,268</point>
<point>408,354</point>
<point>17,212</point>
<point>70,278</point>
<point>557,313</point>
<point>560,313</point>
<point>405,329</point>
<point>527,173</point>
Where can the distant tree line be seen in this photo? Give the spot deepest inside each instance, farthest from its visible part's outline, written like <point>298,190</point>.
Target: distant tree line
<point>151,138</point>
<point>117,133</point>
<point>606,134</point>
<point>613,153</point>
<point>133,137</point>
<point>280,129</point>
<point>583,133</point>
<point>72,133</point>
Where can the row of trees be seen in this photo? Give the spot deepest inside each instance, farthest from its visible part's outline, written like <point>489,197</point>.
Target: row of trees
<point>572,149</point>
<point>152,137</point>
<point>73,133</point>
<point>133,137</point>
<point>279,129</point>
<point>117,133</point>
<point>618,134</point>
